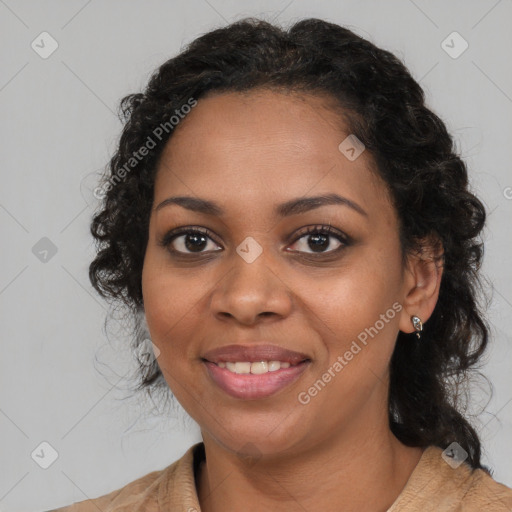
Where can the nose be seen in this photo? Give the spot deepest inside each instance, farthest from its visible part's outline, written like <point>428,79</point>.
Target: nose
<point>250,292</point>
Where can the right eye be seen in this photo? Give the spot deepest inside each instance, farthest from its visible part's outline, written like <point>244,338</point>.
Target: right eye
<point>182,240</point>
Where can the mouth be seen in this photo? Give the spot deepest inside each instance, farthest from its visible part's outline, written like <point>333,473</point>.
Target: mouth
<point>255,371</point>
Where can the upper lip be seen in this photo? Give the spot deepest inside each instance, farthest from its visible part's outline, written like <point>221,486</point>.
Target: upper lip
<point>254,353</point>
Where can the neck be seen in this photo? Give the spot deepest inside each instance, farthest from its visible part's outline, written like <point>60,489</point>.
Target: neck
<point>367,473</point>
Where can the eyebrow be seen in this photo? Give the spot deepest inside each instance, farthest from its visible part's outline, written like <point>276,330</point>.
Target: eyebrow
<point>292,207</point>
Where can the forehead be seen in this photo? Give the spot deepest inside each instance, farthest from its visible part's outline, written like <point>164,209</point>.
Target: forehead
<point>266,146</point>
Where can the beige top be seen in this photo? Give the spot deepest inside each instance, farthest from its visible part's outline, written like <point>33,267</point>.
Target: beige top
<point>433,486</point>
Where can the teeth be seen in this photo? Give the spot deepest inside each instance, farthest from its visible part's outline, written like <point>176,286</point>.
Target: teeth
<point>276,365</point>
<point>258,367</point>
<point>254,368</point>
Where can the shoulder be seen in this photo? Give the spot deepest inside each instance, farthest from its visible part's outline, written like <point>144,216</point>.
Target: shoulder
<point>485,493</point>
<point>147,493</point>
<point>140,491</point>
<point>436,485</point>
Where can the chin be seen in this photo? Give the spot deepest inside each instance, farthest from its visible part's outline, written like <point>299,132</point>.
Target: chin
<point>250,438</point>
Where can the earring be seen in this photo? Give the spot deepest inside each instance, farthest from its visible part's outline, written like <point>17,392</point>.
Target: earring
<point>417,325</point>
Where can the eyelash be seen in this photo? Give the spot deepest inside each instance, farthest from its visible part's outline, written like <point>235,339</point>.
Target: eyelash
<point>170,236</point>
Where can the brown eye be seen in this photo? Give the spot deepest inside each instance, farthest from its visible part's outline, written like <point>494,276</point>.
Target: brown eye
<point>319,240</point>
<point>187,241</point>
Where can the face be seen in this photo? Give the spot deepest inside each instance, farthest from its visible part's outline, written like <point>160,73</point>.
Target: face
<point>255,275</point>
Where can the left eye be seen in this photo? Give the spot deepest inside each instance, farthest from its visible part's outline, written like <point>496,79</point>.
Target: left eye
<point>318,239</point>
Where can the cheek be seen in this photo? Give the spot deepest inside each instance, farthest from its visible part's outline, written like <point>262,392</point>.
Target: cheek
<point>169,313</point>
<point>165,301</point>
<point>348,299</point>
<point>355,313</point>
<point>357,322</point>
<point>174,305</point>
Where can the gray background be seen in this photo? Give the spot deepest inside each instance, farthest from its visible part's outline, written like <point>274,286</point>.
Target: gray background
<point>58,128</point>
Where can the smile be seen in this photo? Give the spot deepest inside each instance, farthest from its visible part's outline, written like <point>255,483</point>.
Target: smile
<point>256,368</point>
<point>254,380</point>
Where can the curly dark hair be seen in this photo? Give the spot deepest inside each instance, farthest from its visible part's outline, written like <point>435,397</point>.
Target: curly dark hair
<point>412,151</point>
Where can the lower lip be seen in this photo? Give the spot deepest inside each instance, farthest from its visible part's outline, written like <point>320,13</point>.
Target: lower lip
<point>249,386</point>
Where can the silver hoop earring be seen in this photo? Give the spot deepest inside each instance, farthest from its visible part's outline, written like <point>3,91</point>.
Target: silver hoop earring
<point>418,326</point>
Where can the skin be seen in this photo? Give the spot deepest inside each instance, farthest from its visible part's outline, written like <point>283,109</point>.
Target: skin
<point>249,152</point>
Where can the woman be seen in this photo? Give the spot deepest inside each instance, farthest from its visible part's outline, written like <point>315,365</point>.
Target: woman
<point>295,227</point>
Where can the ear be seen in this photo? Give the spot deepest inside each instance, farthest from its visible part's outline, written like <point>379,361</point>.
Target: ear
<point>422,281</point>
